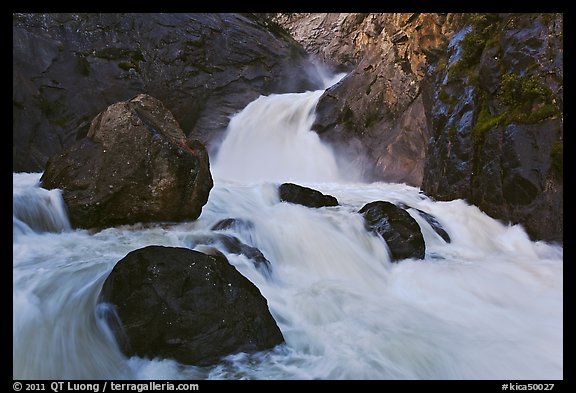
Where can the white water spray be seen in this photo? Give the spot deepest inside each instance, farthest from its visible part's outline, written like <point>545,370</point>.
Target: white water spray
<point>488,305</point>
<point>272,140</point>
<point>37,209</point>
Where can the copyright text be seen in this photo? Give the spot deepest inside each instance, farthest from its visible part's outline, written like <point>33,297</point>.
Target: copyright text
<point>101,387</point>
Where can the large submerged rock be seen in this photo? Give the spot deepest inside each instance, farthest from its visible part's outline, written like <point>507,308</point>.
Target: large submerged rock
<point>135,165</point>
<point>397,227</point>
<point>181,304</point>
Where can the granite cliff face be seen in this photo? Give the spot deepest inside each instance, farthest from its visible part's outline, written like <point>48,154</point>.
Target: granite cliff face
<point>203,67</point>
<point>462,105</point>
<point>375,114</point>
<point>496,110</point>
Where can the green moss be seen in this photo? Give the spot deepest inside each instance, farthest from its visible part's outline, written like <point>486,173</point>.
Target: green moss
<point>483,35</point>
<point>473,43</point>
<point>372,117</point>
<point>54,111</point>
<point>455,71</point>
<point>534,116</point>
<point>442,63</point>
<point>127,65</point>
<point>443,96</point>
<point>346,116</point>
<point>47,107</point>
<point>528,100</point>
<point>493,41</point>
<point>547,18</point>
<point>82,64</point>
<point>546,111</point>
<point>451,132</point>
<point>460,70</point>
<point>557,158</point>
<point>447,99</point>
<point>137,55</point>
<point>131,58</point>
<point>515,90</point>
<point>17,104</point>
<point>484,122</point>
<point>112,53</point>
<point>61,121</point>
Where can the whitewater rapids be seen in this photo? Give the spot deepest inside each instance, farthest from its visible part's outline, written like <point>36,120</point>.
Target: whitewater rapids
<point>488,305</point>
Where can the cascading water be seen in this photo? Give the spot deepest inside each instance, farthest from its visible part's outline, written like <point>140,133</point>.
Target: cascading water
<point>487,305</point>
<point>282,147</point>
<point>271,140</point>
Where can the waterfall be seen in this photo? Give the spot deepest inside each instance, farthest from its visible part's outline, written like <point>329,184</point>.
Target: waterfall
<point>487,305</point>
<point>271,140</point>
<point>37,209</point>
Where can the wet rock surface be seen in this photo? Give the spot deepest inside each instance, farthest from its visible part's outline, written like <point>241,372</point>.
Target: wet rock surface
<point>294,193</point>
<point>203,67</point>
<point>184,305</point>
<point>397,227</point>
<point>135,165</point>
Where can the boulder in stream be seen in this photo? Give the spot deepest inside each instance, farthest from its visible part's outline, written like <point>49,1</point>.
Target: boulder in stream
<point>135,165</point>
<point>185,305</point>
<point>294,193</point>
<point>397,227</point>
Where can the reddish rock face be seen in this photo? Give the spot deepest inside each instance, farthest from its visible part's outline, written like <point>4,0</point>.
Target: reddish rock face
<point>408,112</point>
<point>377,111</point>
<point>134,166</point>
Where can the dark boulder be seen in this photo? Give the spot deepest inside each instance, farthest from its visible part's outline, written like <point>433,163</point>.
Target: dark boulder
<point>436,226</point>
<point>135,165</point>
<point>233,245</point>
<point>181,304</point>
<point>430,219</point>
<point>305,196</point>
<point>236,224</point>
<point>397,227</point>
<point>203,67</point>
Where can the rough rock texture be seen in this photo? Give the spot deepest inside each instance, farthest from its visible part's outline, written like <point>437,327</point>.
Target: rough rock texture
<point>181,304</point>
<point>233,245</point>
<point>305,196</point>
<point>397,227</point>
<point>204,67</point>
<point>488,129</point>
<point>375,114</point>
<point>496,111</point>
<point>135,165</point>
